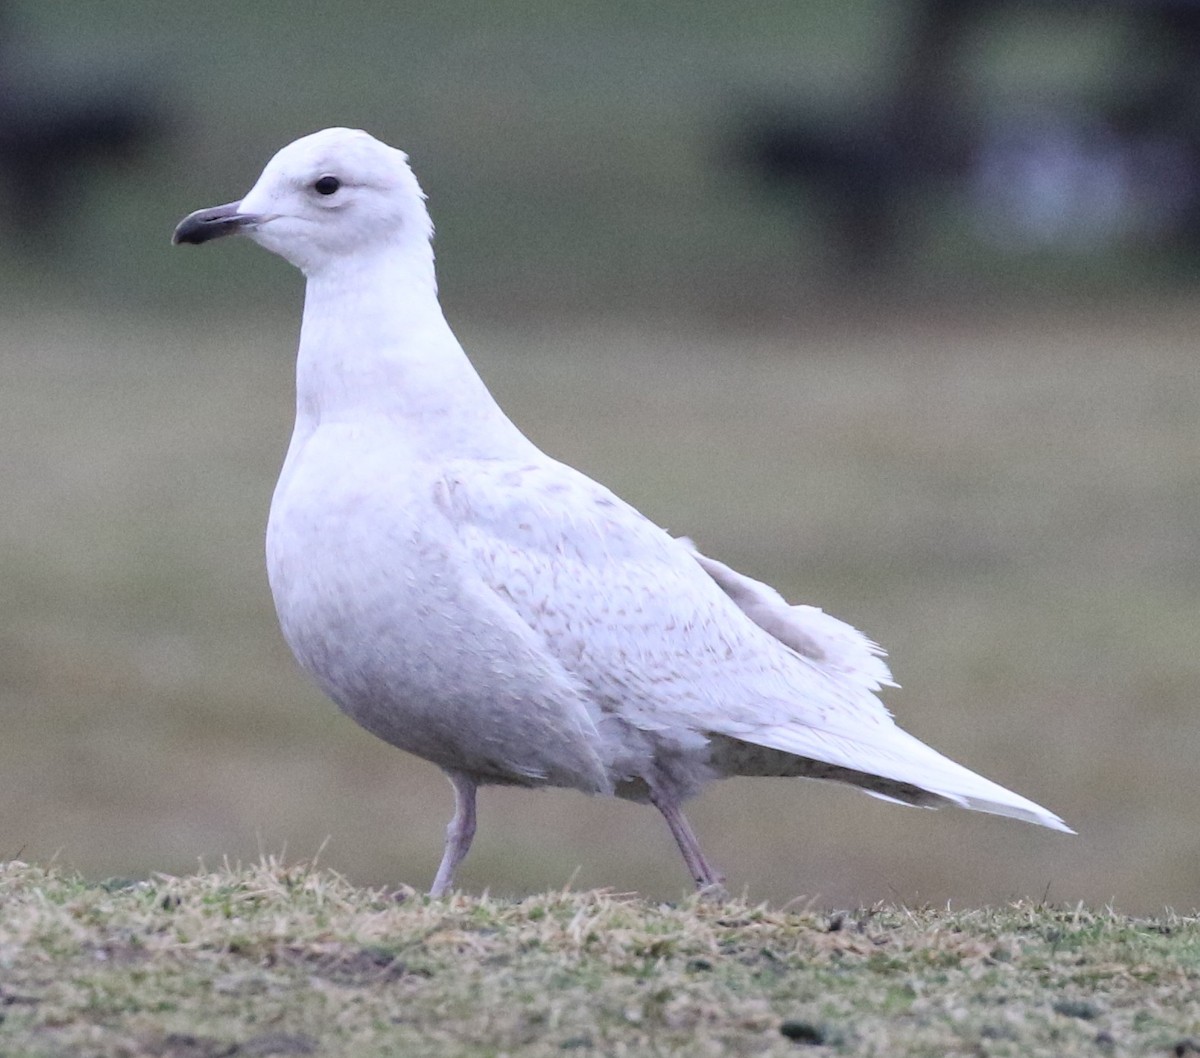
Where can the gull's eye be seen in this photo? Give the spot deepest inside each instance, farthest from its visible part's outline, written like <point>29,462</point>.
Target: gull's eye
<point>327,185</point>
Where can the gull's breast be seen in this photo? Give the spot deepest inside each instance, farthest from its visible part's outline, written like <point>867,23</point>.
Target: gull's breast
<point>380,604</point>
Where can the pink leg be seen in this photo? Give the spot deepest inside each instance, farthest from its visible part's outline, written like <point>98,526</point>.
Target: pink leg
<point>703,874</point>
<point>458,834</point>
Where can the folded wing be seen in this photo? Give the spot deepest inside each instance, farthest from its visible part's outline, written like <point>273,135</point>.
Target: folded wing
<point>682,646</point>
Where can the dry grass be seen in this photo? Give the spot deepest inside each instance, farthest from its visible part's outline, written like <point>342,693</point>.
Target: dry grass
<point>1011,509</point>
<point>291,961</point>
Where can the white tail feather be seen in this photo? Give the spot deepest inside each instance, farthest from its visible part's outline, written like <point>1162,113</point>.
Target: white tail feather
<point>906,759</point>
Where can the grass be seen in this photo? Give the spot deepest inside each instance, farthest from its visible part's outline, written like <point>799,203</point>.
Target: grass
<point>275,960</point>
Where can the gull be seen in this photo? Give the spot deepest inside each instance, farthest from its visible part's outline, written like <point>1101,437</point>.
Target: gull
<point>469,599</point>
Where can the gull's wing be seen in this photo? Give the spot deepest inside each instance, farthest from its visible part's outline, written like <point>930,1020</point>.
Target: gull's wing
<point>629,610</point>
<point>677,644</point>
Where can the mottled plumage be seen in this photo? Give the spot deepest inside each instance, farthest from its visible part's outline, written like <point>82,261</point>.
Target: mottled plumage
<point>469,599</point>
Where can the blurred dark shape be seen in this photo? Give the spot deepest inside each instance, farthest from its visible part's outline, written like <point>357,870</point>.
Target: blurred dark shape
<point>52,137</point>
<point>1060,172</point>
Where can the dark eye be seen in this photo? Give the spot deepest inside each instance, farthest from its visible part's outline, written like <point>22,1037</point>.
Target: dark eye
<point>327,185</point>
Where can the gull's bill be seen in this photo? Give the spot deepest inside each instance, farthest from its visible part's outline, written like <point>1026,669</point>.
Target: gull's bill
<point>207,224</point>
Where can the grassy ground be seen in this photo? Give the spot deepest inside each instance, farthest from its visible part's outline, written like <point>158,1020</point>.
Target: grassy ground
<point>1010,508</point>
<point>295,961</point>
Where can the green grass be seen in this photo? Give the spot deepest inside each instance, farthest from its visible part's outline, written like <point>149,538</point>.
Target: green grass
<point>294,960</point>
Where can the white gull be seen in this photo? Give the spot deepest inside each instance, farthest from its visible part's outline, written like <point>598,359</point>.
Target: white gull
<point>472,601</point>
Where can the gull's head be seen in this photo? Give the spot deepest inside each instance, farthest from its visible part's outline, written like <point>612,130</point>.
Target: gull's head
<point>336,194</point>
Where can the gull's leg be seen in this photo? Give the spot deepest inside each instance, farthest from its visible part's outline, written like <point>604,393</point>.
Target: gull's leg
<point>459,833</point>
<point>703,873</point>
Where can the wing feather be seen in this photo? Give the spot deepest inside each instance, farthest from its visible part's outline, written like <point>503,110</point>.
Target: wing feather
<point>682,646</point>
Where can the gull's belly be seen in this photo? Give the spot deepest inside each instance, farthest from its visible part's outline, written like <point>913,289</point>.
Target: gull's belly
<point>354,583</point>
<point>378,604</point>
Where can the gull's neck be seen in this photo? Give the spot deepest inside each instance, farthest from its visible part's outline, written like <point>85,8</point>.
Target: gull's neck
<point>374,344</point>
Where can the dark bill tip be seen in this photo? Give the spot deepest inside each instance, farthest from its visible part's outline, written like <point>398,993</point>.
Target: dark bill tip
<point>206,224</point>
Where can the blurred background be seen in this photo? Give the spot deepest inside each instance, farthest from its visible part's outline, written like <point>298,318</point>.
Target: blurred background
<point>891,304</point>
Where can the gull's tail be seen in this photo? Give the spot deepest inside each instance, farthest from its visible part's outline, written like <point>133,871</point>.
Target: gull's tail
<point>909,760</point>
<point>893,766</point>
